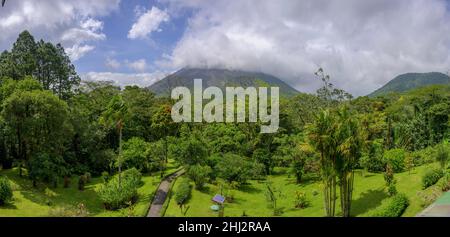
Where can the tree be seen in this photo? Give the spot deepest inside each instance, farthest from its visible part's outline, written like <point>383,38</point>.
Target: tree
<point>235,168</point>
<point>272,195</point>
<point>135,154</point>
<point>396,159</point>
<point>329,93</point>
<point>157,152</point>
<point>36,121</point>
<point>46,168</point>
<point>7,65</point>
<point>189,150</point>
<point>320,135</point>
<point>24,55</point>
<point>390,180</point>
<point>47,63</point>
<point>163,125</point>
<point>350,147</point>
<point>263,156</point>
<point>298,165</point>
<point>114,116</point>
<point>141,106</point>
<point>92,144</point>
<point>67,77</point>
<point>6,192</point>
<point>442,155</point>
<point>338,139</point>
<point>200,175</point>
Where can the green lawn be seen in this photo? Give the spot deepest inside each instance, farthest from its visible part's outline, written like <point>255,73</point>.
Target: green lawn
<point>35,202</point>
<point>369,195</point>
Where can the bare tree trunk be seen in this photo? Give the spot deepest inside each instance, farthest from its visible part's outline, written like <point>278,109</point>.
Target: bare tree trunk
<point>346,190</point>
<point>119,160</point>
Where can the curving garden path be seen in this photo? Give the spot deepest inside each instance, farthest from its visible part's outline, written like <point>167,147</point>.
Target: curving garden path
<point>161,194</point>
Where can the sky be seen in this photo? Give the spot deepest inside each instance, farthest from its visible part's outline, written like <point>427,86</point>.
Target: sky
<point>361,44</point>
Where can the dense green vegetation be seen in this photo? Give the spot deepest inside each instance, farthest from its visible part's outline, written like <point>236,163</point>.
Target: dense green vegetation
<point>56,132</point>
<point>370,196</point>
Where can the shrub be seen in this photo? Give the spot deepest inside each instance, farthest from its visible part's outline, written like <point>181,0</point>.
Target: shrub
<point>81,182</point>
<point>431,177</point>
<point>105,176</point>
<point>424,156</point>
<point>409,163</point>
<point>115,196</point>
<point>47,168</point>
<point>445,183</point>
<point>392,189</point>
<point>396,159</point>
<point>390,181</point>
<point>200,175</point>
<point>6,193</point>
<point>442,156</point>
<point>371,163</point>
<point>301,201</point>
<point>88,177</point>
<point>134,176</point>
<point>183,192</point>
<point>396,206</point>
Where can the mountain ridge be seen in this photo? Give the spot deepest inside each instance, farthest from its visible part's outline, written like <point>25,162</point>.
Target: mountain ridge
<point>219,78</point>
<point>409,81</point>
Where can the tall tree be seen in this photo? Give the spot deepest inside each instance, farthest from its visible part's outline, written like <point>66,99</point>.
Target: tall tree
<point>7,65</point>
<point>115,115</point>
<point>67,78</point>
<point>24,55</point>
<point>321,137</point>
<point>36,121</point>
<point>350,141</point>
<point>164,126</point>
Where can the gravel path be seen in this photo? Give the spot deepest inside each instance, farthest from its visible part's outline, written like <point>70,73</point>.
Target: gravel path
<point>161,194</point>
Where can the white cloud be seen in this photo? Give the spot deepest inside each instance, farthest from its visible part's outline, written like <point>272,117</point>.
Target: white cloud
<point>112,64</point>
<point>76,52</point>
<point>88,30</point>
<point>123,79</point>
<point>73,23</point>
<point>148,22</point>
<point>362,44</point>
<point>138,65</point>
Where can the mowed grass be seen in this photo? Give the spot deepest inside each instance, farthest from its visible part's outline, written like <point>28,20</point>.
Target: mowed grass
<point>368,197</point>
<point>37,202</point>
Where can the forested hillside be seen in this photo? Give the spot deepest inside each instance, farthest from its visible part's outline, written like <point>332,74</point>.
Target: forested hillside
<point>220,78</point>
<point>410,81</point>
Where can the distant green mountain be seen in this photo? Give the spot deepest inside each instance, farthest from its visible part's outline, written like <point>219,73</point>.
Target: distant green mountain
<point>411,81</point>
<point>220,78</point>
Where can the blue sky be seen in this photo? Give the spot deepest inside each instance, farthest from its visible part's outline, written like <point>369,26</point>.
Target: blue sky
<point>118,46</point>
<point>361,44</point>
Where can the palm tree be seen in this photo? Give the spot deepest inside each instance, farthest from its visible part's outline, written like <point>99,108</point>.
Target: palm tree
<point>350,142</point>
<point>337,138</point>
<point>115,115</point>
<point>321,137</point>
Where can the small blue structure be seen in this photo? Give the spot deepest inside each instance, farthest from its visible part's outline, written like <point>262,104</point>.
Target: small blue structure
<point>215,207</point>
<point>218,199</point>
